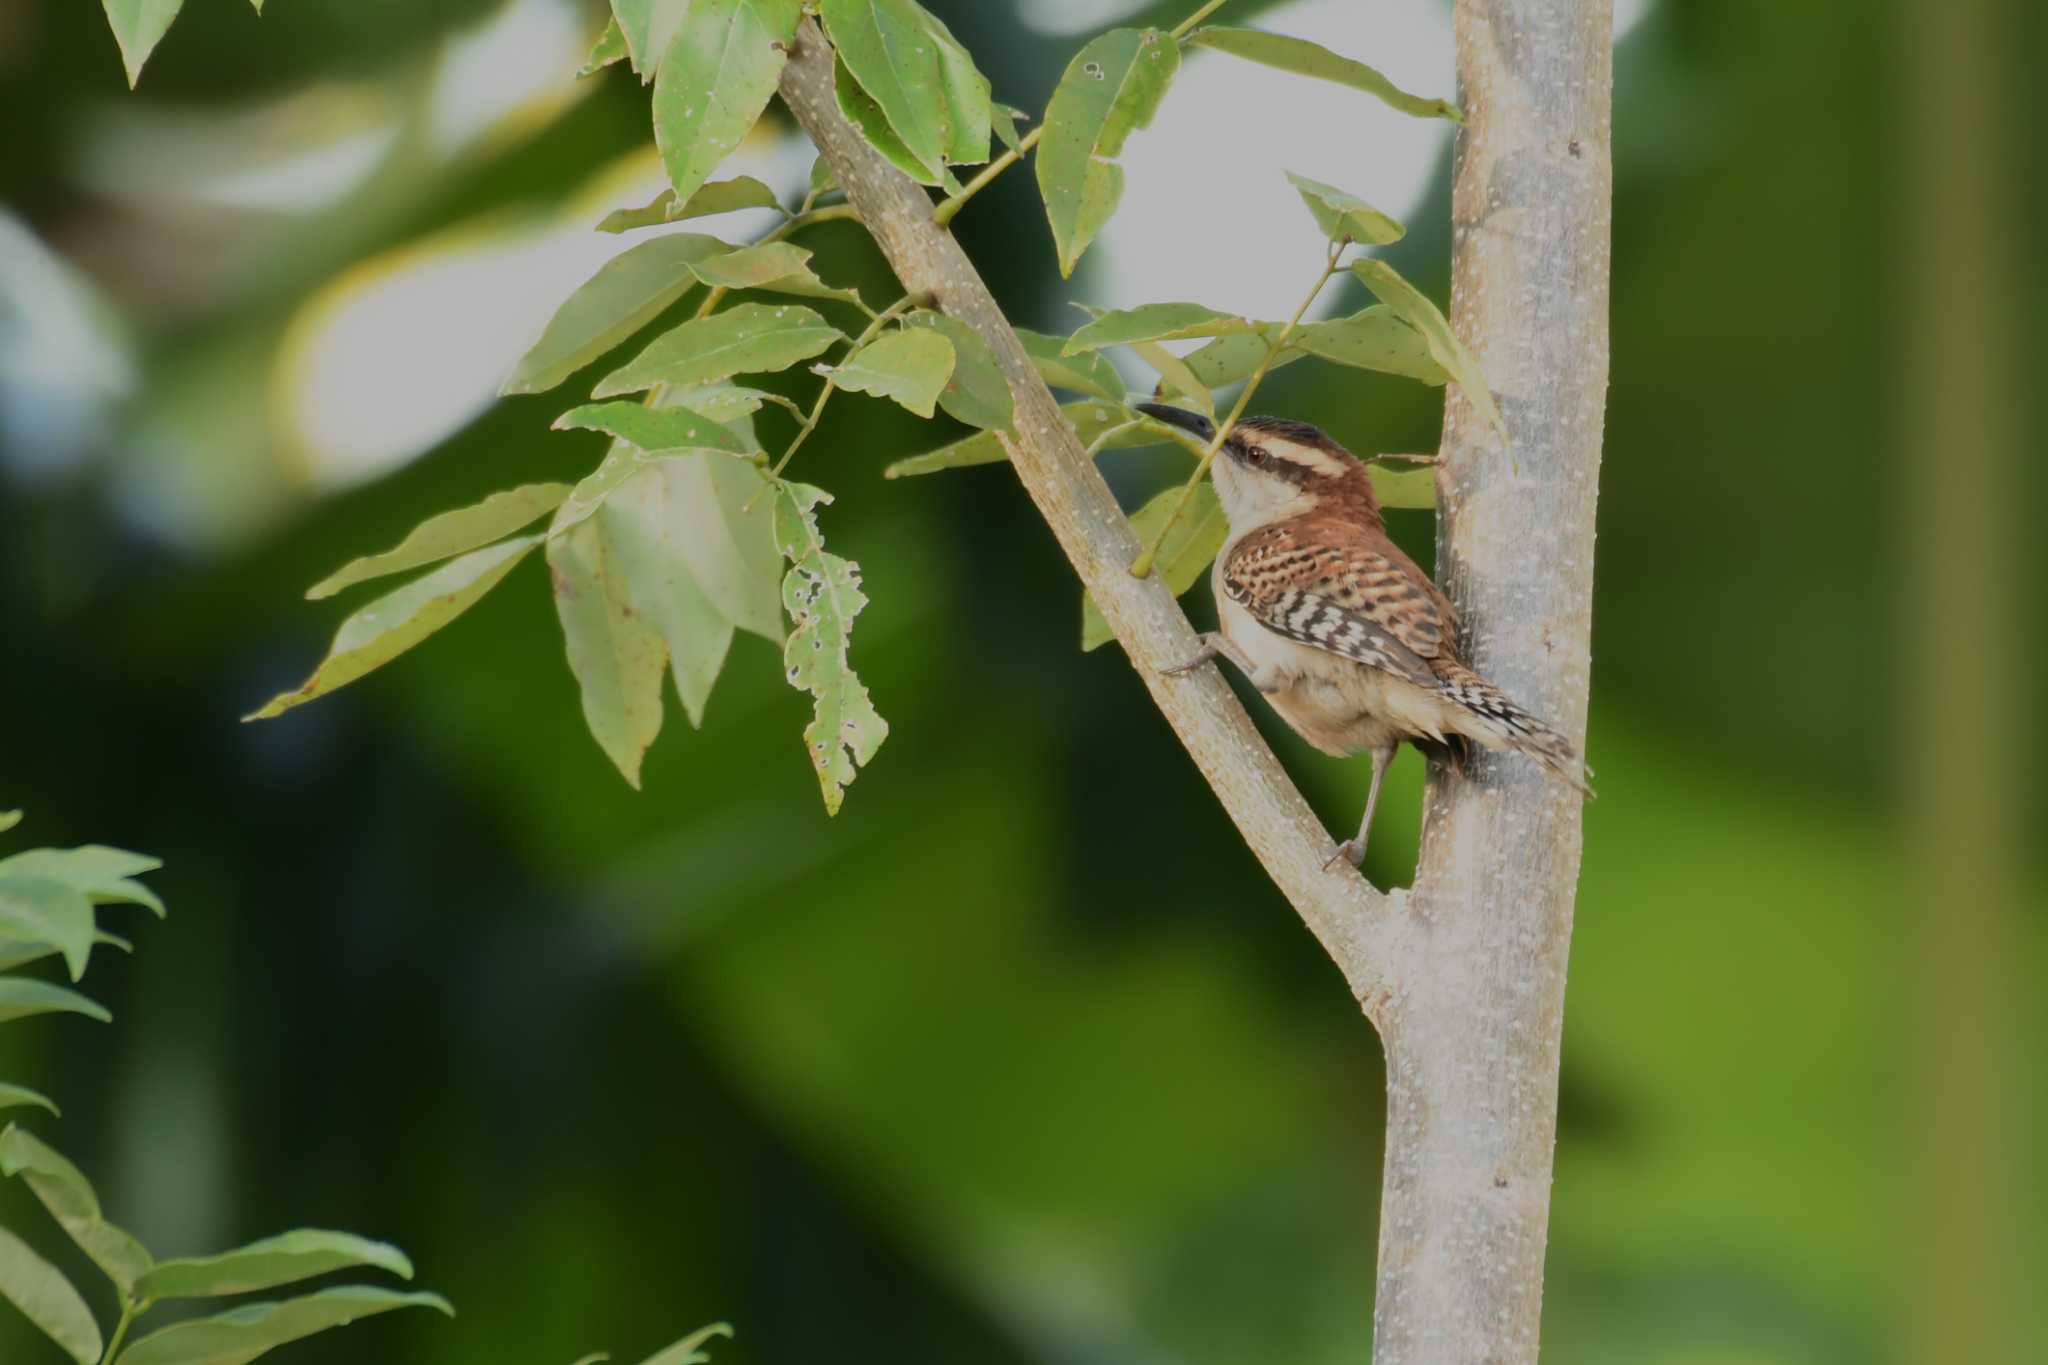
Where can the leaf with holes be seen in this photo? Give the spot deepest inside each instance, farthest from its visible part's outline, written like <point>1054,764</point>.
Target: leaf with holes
<point>720,196</point>
<point>822,595</point>
<point>912,367</point>
<point>242,1334</point>
<point>1157,322</point>
<point>394,623</point>
<point>891,54</point>
<point>717,75</point>
<point>1418,312</point>
<point>1111,88</point>
<point>450,534</point>
<point>1189,549</point>
<point>977,394</point>
<point>628,292</point>
<point>69,1197</point>
<point>1305,58</point>
<point>1343,215</point>
<point>753,338</point>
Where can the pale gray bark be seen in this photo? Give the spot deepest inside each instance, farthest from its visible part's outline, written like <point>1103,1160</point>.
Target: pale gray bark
<point>1464,976</point>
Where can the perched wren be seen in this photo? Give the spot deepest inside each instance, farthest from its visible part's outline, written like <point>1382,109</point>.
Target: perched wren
<point>1349,640</point>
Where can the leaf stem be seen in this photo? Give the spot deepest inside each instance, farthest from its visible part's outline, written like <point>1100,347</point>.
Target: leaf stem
<point>1142,565</point>
<point>951,206</point>
<point>882,319</point>
<point>128,1311</point>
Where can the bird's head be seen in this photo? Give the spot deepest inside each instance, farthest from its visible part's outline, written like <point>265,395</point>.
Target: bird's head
<point>1274,467</point>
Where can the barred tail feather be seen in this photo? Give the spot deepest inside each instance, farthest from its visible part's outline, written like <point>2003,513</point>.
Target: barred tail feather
<point>1496,721</point>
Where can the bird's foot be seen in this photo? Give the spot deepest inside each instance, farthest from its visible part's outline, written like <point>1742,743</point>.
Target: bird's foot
<point>1351,851</point>
<point>1211,647</point>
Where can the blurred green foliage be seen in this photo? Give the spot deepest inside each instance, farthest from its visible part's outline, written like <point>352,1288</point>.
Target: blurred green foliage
<point>1020,1058</point>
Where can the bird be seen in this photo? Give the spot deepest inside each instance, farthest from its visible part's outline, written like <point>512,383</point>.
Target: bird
<point>1345,635</point>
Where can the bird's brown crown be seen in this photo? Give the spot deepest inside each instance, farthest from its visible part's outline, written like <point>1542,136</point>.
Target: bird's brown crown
<point>1301,454</point>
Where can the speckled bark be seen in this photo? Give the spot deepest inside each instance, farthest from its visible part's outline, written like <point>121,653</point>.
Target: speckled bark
<point>1472,1033</point>
<point>1464,976</point>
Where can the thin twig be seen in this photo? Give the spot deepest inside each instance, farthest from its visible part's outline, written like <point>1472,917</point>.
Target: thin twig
<point>882,319</point>
<point>1142,565</point>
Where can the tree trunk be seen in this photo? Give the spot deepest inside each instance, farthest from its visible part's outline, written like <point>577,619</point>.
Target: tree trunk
<point>1465,975</point>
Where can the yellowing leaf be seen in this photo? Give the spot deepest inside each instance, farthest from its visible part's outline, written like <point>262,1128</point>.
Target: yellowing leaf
<point>822,595</point>
<point>911,366</point>
<point>450,534</point>
<point>396,622</point>
<point>1114,85</point>
<point>1418,312</point>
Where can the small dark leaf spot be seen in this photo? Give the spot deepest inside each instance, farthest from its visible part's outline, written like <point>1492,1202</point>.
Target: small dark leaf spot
<point>1093,71</point>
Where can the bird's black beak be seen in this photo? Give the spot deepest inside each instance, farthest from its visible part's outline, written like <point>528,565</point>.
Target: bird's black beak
<point>1194,422</point>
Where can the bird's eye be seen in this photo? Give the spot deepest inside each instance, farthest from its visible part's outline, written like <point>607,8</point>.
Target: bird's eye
<point>1256,455</point>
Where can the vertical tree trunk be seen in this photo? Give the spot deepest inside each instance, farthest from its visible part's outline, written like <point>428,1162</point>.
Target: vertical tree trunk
<point>1472,1038</point>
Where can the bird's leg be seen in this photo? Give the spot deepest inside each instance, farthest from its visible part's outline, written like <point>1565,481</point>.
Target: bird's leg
<point>1353,850</point>
<point>1216,644</point>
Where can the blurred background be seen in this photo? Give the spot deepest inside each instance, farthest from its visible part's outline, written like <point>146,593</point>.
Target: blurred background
<point>1020,1058</point>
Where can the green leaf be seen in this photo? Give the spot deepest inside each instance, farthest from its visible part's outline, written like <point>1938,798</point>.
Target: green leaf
<point>1373,339</point>
<point>690,1350</point>
<point>242,1334</point>
<point>892,54</point>
<point>977,394</point>
<point>1157,322</point>
<point>37,909</point>
<point>1112,87</point>
<point>1004,119</point>
<point>656,431</point>
<point>1341,214</point>
<point>720,196</point>
<point>9,819</point>
<point>449,534</point>
<point>48,1300</point>
<point>822,595</point>
<point>1087,373</point>
<point>1190,547</point>
<point>628,292</point>
<point>1228,359</point>
<point>669,557</point>
<point>1418,312</point>
<point>20,1097</point>
<point>774,266</point>
<point>20,998</point>
<point>594,1358</point>
<point>609,47</point>
<point>822,180</point>
<point>862,112</point>
<point>1175,376</point>
<point>716,77</point>
<point>617,658</point>
<point>1305,58</point>
<point>1406,488</point>
<point>138,26</point>
<point>1090,420</point>
<point>292,1256</point>
<point>647,27</point>
<point>969,114</point>
<point>911,366</point>
<point>69,1197</point>
<point>394,623</point>
<point>749,339</point>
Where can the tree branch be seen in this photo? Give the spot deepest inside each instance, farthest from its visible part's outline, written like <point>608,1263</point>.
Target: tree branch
<point>1339,906</point>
